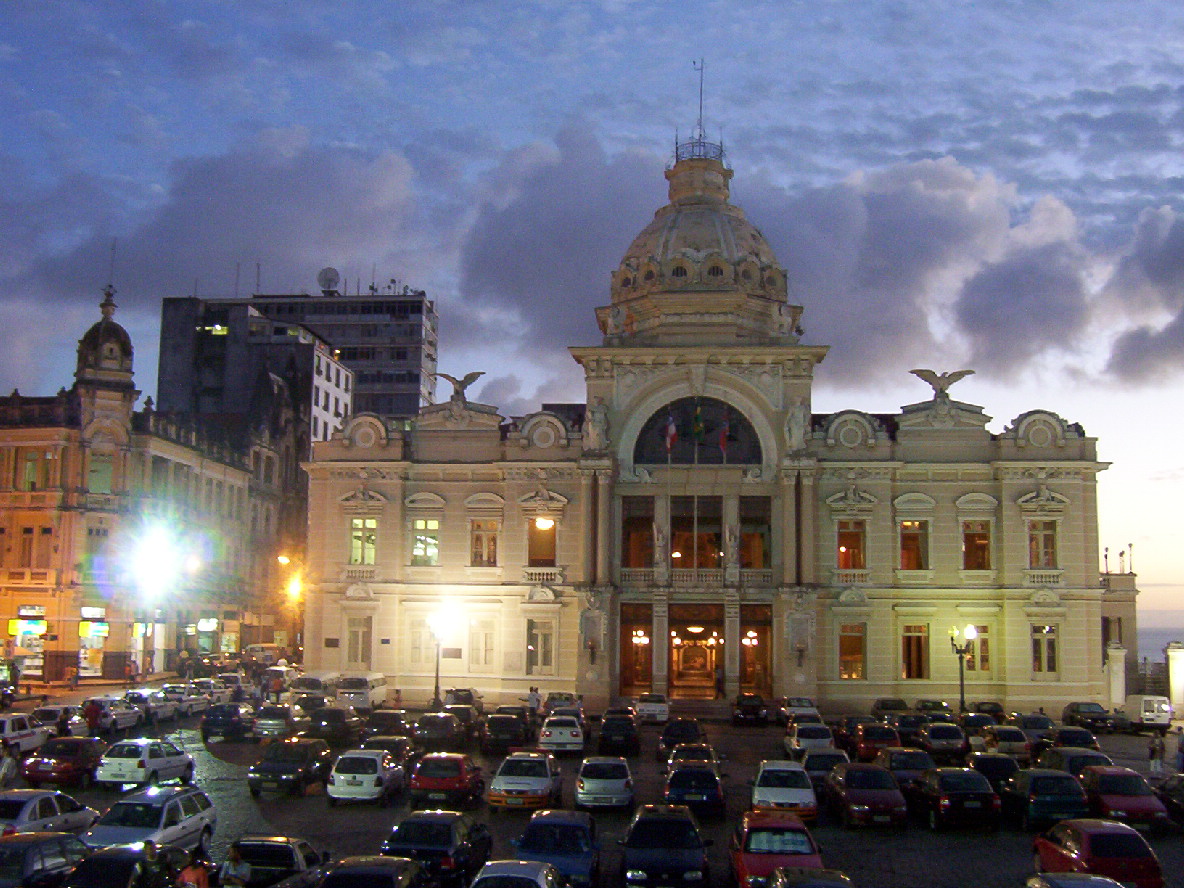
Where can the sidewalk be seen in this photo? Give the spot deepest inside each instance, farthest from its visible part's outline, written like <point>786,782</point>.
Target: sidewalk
<point>61,692</point>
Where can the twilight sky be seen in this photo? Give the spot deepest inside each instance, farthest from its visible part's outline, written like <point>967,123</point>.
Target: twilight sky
<point>949,184</point>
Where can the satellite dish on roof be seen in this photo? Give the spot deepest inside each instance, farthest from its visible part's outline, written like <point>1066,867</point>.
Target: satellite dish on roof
<point>328,278</point>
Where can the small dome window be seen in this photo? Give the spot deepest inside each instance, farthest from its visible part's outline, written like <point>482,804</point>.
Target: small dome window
<point>715,271</point>
<point>626,282</point>
<point>679,271</point>
<point>746,274</point>
<point>649,274</point>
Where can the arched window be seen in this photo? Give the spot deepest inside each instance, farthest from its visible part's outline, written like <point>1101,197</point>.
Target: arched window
<point>706,431</point>
<point>678,271</point>
<point>715,271</point>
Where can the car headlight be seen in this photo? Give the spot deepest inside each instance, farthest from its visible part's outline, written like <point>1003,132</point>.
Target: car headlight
<point>861,809</point>
<point>635,875</point>
<point>757,881</point>
<point>693,876</point>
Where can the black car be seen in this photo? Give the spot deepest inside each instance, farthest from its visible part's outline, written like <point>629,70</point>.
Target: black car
<point>908,725</point>
<point>451,846</point>
<point>679,730</point>
<point>291,766</point>
<point>439,731</point>
<point>522,713</point>
<point>402,749</point>
<point>997,767</point>
<point>337,725</point>
<point>389,723</point>
<point>906,765</point>
<point>468,696</point>
<point>500,733</point>
<point>663,846</point>
<point>468,716</point>
<point>39,859</point>
<point>696,785</point>
<point>230,721</point>
<point>1171,793</point>
<point>957,797</point>
<point>1093,716</point>
<point>274,858</point>
<point>119,865</point>
<point>750,709</point>
<point>375,871</point>
<point>618,736</point>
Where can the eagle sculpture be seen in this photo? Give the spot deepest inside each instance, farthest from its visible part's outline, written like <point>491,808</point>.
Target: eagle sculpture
<point>940,382</point>
<point>459,385</point>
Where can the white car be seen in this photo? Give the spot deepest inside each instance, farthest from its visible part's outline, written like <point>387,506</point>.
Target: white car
<point>143,761</point>
<point>786,786</point>
<point>526,780</point>
<point>188,698</point>
<point>499,873</point>
<point>154,705</point>
<point>802,738</point>
<point>653,708</point>
<point>37,810</point>
<point>604,781</point>
<point>182,816</point>
<point>117,714</point>
<point>365,775</point>
<point>561,733</point>
<point>215,690</point>
<point>48,716</point>
<point>789,707</point>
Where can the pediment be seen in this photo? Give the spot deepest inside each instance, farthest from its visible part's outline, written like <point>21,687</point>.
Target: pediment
<point>542,430</point>
<point>852,597</point>
<point>1043,500</point>
<point>363,497</point>
<point>485,500</point>
<point>852,429</point>
<point>457,415</point>
<point>1040,429</point>
<point>852,499</point>
<point>424,500</point>
<point>364,431</point>
<point>1044,598</point>
<point>942,413</point>
<point>976,502</point>
<point>914,502</point>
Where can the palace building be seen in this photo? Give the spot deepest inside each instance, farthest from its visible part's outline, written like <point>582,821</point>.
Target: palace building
<point>695,527</point>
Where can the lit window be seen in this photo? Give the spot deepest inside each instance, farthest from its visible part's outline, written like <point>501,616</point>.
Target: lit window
<point>540,542</point>
<point>978,657</point>
<point>363,534</point>
<point>914,651</point>
<point>976,545</point>
<point>1044,649</point>
<point>851,545</point>
<point>483,539</point>
<point>914,545</point>
<point>853,651</point>
<point>1042,545</point>
<point>425,542</point>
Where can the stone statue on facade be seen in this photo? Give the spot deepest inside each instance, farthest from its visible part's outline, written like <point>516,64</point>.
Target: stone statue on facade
<point>798,425</point>
<point>460,385</point>
<point>940,382</point>
<point>596,427</point>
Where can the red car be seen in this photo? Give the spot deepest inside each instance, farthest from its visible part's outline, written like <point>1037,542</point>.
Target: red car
<point>868,739</point>
<point>65,760</point>
<point>1124,795</point>
<point>445,778</point>
<point>1100,847</point>
<point>765,840</point>
<point>861,793</point>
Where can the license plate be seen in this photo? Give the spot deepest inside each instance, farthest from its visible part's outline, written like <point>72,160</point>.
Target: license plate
<point>353,782</point>
<point>696,797</point>
<point>974,804</point>
<point>513,801</point>
<point>881,818</point>
<point>435,796</point>
<point>271,783</point>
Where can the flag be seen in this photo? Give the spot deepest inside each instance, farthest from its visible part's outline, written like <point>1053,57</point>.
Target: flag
<point>697,425</point>
<point>671,433</point>
<point>723,437</point>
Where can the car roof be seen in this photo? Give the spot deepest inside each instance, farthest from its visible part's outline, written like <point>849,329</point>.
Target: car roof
<point>437,756</point>
<point>263,837</point>
<point>780,765</point>
<point>520,868</point>
<point>530,755</point>
<point>369,862</point>
<point>436,815</point>
<point>680,812</point>
<point>29,838</point>
<point>363,753</point>
<point>1095,825</point>
<point>558,815</point>
<point>140,741</point>
<point>772,817</point>
<point>158,793</point>
<point>15,794</point>
<point>604,760</point>
<point>1110,770</point>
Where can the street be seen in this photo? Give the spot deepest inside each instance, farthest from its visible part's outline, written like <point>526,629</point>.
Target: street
<point>873,858</point>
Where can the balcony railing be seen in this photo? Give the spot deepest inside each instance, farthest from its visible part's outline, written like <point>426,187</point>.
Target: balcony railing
<point>844,576</point>
<point>541,576</point>
<point>684,578</point>
<point>359,574</point>
<point>637,576</point>
<point>754,576</point>
<point>1044,577</point>
<point>30,576</point>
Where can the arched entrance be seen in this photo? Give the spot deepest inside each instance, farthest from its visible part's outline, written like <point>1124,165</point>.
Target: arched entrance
<point>696,652</point>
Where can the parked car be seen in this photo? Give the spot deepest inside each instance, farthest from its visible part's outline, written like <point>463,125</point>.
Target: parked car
<point>1122,794</point>
<point>48,717</point>
<point>116,714</point>
<point>974,726</point>
<point>230,721</point>
<point>992,708</point>
<point>1076,737</point>
<point>402,749</point>
<point>1037,796</point>
<point>441,778</point>
<point>995,766</point>
<point>764,840</point>
<point>500,734</point>
<point>154,705</point>
<point>365,775</point>
<point>795,877</point>
<point>663,846</point>
<point>784,786</point>
<point>555,699</point>
<point>844,729</point>
<point>604,781</point>
<point>65,760</point>
<point>451,845</point>
<point>696,785</point>
<point>1092,716</point>
<point>1035,726</point>
<point>389,722</point>
<point>800,739</point>
<point>702,753</point>
<point>565,839</point>
<point>214,689</point>
<point>520,712</point>
<point>40,859</point>
<point>1010,740</point>
<point>937,710</point>
<point>1101,847</point>
<point>618,735</point>
<point>469,718</point>
<point>561,733</point>
<point>526,780</point>
<point>868,739</point>
<point>278,720</point>
<point>883,706</point>
<point>956,797</point>
<point>653,708</point>
<point>863,794</point>
<point>144,761</point>
<point>789,707</point>
<point>907,725</point>
<point>906,765</point>
<point>1069,880</point>
<point>945,742</point>
<point>1072,759</point>
<point>749,709</point>
<point>819,764</point>
<point>576,712</point>
<point>274,858</point>
<point>467,696</point>
<point>518,874</point>
<point>1171,793</point>
<point>376,871</point>
<point>440,731</point>
<point>1147,712</point>
<point>40,810</point>
<point>678,730</point>
<point>337,725</point>
<point>290,766</point>
<point>117,866</point>
<point>182,816</point>
<point>187,697</point>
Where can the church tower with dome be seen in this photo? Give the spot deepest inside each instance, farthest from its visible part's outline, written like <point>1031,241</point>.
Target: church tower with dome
<point>695,529</point>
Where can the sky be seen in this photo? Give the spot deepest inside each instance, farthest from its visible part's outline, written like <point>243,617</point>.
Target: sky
<point>994,186</point>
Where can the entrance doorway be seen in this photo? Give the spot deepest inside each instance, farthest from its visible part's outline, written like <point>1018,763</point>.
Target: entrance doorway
<point>696,651</point>
<point>637,649</point>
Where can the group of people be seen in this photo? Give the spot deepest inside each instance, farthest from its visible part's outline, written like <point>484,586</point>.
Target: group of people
<point>1157,752</point>
<point>157,872</point>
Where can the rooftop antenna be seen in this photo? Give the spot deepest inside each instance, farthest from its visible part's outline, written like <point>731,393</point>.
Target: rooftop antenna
<point>698,66</point>
<point>111,266</point>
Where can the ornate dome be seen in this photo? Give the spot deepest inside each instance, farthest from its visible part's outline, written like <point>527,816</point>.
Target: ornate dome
<point>106,345</point>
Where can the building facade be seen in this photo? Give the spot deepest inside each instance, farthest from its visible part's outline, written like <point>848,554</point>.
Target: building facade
<point>695,528</point>
<point>126,536</point>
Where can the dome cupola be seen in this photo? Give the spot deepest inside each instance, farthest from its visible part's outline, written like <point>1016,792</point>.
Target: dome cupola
<point>105,350</point>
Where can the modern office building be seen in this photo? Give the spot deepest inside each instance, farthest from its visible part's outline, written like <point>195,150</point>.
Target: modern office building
<point>695,528</point>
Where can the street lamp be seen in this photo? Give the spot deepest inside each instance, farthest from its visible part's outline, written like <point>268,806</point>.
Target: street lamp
<point>962,651</point>
<point>436,623</point>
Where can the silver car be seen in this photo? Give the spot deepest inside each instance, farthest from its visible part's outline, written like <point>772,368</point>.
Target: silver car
<point>604,781</point>
<point>280,720</point>
<point>38,810</point>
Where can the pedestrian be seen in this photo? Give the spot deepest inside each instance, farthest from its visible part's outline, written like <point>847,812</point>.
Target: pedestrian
<point>63,724</point>
<point>9,767</point>
<point>193,874</point>
<point>398,699</point>
<point>74,676</point>
<point>235,870</point>
<point>129,672</point>
<point>93,713</point>
<point>155,871</point>
<point>719,682</point>
<point>1180,749</point>
<point>1155,752</point>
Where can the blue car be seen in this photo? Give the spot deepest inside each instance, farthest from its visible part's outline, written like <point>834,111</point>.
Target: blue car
<point>564,839</point>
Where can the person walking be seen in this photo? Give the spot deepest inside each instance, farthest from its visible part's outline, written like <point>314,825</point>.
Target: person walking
<point>1155,753</point>
<point>1180,749</point>
<point>63,724</point>
<point>93,713</point>
<point>193,874</point>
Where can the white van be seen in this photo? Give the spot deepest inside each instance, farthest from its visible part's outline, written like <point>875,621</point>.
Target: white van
<point>362,690</point>
<point>322,683</point>
<point>267,654</point>
<point>1148,712</point>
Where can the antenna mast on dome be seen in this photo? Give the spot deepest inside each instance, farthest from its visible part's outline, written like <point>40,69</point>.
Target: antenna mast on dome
<point>699,66</point>
<point>697,146</point>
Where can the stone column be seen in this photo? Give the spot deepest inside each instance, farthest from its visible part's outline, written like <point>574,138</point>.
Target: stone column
<point>789,528</point>
<point>660,639</point>
<point>731,643</point>
<point>807,534</point>
<point>731,540</point>
<point>662,542</point>
<point>1115,670</point>
<point>588,517</point>
<point>604,493</point>
<point>1175,658</point>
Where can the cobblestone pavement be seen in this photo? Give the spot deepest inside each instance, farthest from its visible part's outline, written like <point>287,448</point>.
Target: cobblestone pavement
<point>873,858</point>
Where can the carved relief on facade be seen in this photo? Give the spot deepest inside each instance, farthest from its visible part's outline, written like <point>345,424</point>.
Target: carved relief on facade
<point>1043,501</point>
<point>852,429</point>
<point>1041,429</point>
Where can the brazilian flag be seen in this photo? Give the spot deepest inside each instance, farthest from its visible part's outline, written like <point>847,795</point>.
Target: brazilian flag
<point>697,428</point>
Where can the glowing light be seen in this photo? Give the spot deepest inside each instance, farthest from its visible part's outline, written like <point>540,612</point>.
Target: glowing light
<point>694,630</point>
<point>544,523</point>
<point>676,554</point>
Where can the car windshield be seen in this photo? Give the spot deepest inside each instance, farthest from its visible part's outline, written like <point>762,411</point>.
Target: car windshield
<point>869,779</point>
<point>523,768</point>
<point>751,700</point>
<point>62,747</point>
<point>562,723</point>
<point>945,732</point>
<point>1092,708</point>
<point>1010,735</point>
<point>124,751</point>
<point>438,768</point>
<point>816,762</point>
<point>555,838</point>
<point>778,841</point>
<point>135,814</point>
<point>421,832</point>
<point>277,712</point>
<point>268,855</point>
<point>353,684</point>
<point>912,721</point>
<point>356,764</point>
<point>329,716</point>
<point>616,723</point>
<point>876,732</point>
<point>10,809</point>
<point>775,778</point>
<point>663,833</point>
<point>224,709</point>
<point>651,698</point>
<point>891,703</point>
<point>307,684</point>
<point>915,761</point>
<point>997,765</point>
<point>694,779</point>
<point>813,732</point>
<point>1119,845</point>
<point>1036,722</point>
<point>1074,763</point>
<point>102,870</point>
<point>386,719</point>
<point>1123,784</point>
<point>1056,786</point>
<point>964,781</point>
<point>605,771</point>
<point>285,752</point>
<point>680,731</point>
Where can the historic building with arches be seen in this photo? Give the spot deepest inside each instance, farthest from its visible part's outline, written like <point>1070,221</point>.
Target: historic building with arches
<point>695,528</point>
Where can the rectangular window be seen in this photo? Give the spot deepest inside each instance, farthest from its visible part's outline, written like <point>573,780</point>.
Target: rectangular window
<point>43,557</point>
<point>1044,649</point>
<point>425,542</point>
<point>978,658</point>
<point>914,545</point>
<point>976,545</point>
<point>755,524</point>
<point>853,651</point>
<point>637,531</point>
<point>1042,544</point>
<point>540,542</point>
<point>540,647</point>
<point>914,651</point>
<point>696,532</point>
<point>481,636</point>
<point>483,542</point>
<point>26,553</point>
<point>851,545</point>
<point>29,477</point>
<point>423,646</point>
<point>99,473</point>
<point>363,535</point>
